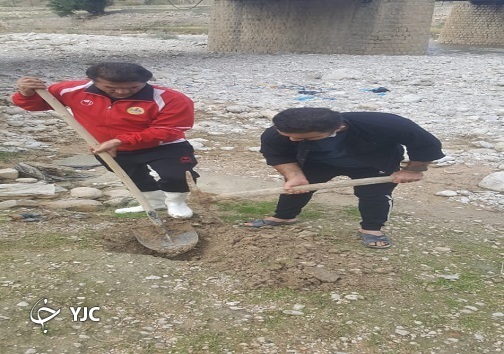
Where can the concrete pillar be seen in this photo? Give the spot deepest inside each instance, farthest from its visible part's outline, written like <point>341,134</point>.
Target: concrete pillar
<point>474,25</point>
<point>321,26</point>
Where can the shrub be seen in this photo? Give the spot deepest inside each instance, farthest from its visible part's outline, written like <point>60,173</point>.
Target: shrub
<point>68,7</point>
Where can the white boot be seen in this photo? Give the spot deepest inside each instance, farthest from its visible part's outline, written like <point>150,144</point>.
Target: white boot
<point>177,207</point>
<point>155,198</point>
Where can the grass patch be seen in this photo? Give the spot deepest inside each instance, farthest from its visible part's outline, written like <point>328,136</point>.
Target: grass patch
<point>281,294</point>
<point>6,156</point>
<point>352,212</point>
<point>240,211</point>
<point>48,241</point>
<point>204,342</point>
<point>165,36</point>
<point>233,212</point>
<point>473,322</point>
<point>466,283</point>
<point>436,30</point>
<point>4,218</point>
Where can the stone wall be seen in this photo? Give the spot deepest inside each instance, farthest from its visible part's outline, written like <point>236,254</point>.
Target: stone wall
<point>474,25</point>
<point>321,26</point>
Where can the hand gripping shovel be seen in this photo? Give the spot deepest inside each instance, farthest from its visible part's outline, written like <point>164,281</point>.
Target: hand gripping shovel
<point>157,240</point>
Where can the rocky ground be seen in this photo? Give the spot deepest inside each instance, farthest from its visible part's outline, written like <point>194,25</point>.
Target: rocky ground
<point>309,288</point>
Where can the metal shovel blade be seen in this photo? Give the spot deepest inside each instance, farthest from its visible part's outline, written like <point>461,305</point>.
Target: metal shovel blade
<point>182,239</point>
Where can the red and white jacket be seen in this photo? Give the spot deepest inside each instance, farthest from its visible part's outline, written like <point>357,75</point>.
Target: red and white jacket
<point>153,116</point>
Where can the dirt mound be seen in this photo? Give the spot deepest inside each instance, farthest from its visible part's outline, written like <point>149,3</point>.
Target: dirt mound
<point>298,257</point>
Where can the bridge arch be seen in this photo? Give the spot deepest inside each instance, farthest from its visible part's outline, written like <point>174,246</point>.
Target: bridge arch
<point>390,27</point>
<point>480,22</point>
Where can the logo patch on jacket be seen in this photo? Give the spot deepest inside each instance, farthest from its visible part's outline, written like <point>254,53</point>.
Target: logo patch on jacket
<point>135,110</point>
<point>86,102</point>
<point>185,159</point>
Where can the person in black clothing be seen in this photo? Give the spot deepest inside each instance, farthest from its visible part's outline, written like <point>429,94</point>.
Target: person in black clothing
<point>314,145</point>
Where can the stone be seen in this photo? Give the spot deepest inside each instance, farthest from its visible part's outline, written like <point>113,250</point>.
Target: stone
<point>16,123</point>
<point>52,121</point>
<point>86,193</point>
<point>82,205</point>
<point>117,193</point>
<point>353,297</point>
<point>293,312</point>
<point>447,193</point>
<point>237,109</point>
<point>198,145</point>
<point>7,204</point>
<point>33,190</point>
<point>322,274</point>
<point>482,144</point>
<point>84,161</point>
<point>494,181</point>
<point>499,146</point>
<point>26,180</point>
<point>9,173</point>
<point>402,332</point>
<point>118,202</point>
<point>442,249</point>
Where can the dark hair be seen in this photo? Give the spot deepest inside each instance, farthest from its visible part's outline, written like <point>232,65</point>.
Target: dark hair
<point>119,72</point>
<point>307,120</point>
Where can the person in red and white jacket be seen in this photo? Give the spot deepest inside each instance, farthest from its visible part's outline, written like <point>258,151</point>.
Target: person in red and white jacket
<point>141,125</point>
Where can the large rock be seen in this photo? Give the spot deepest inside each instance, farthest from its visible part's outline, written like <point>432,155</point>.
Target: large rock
<point>9,173</point>
<point>23,190</point>
<point>86,193</point>
<point>117,193</point>
<point>494,181</point>
<point>85,161</point>
<point>322,274</point>
<point>82,205</point>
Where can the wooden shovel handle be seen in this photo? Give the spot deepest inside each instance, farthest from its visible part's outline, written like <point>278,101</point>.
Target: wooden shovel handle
<point>306,187</point>
<point>111,162</point>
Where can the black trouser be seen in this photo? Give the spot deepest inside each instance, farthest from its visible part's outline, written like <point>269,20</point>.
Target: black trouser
<point>170,161</point>
<point>375,200</point>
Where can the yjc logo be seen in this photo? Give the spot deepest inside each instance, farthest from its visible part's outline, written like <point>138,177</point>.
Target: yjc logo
<point>84,312</point>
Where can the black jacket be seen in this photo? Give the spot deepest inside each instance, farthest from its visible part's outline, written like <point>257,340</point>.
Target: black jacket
<point>374,139</point>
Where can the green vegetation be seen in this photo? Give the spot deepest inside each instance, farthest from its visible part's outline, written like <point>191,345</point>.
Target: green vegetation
<point>69,7</point>
<point>244,210</point>
<point>352,212</point>
<point>6,156</point>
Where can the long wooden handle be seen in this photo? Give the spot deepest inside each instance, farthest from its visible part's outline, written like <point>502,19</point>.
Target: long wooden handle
<point>114,166</point>
<point>306,187</point>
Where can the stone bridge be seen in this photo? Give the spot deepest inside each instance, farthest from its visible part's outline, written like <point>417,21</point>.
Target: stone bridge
<point>390,27</point>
